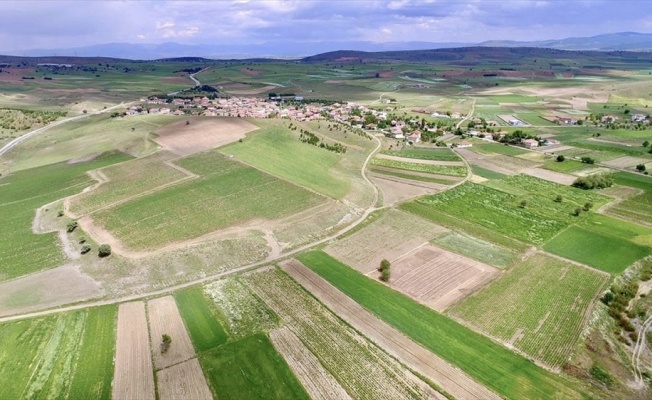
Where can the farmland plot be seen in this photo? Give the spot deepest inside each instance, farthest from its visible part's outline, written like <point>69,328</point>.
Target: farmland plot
<point>395,190</point>
<point>183,381</point>
<point>123,181</point>
<point>539,307</point>
<point>452,170</point>
<point>475,248</point>
<point>424,153</point>
<point>164,318</point>
<point>363,369</point>
<point>203,327</point>
<point>438,278</point>
<point>637,208</point>
<point>317,381</point>
<point>133,376</point>
<point>394,233</point>
<point>227,193</point>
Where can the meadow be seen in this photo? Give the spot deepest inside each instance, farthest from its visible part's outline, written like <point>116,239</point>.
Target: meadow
<point>539,306</point>
<point>21,251</point>
<point>500,369</point>
<point>200,318</point>
<point>227,192</point>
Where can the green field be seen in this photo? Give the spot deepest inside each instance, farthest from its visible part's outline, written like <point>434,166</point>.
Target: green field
<point>250,368</point>
<point>430,169</point>
<point>505,372</point>
<point>636,208</point>
<point>603,251</point>
<point>125,181</point>
<point>634,180</point>
<point>422,153</point>
<point>407,175</point>
<point>475,248</point>
<point>495,148</point>
<point>565,166</point>
<point>227,193</point>
<point>538,306</point>
<point>204,328</point>
<point>94,371</point>
<point>21,251</point>
<point>486,173</point>
<point>275,150</point>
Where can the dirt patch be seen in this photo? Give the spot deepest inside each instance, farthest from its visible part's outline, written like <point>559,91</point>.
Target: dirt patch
<point>625,162</point>
<point>44,290</point>
<point>202,134</point>
<point>133,377</point>
<point>396,190</point>
<point>183,381</point>
<point>318,382</point>
<point>164,318</point>
<point>419,359</point>
<point>551,176</point>
<point>439,278</point>
<point>15,75</point>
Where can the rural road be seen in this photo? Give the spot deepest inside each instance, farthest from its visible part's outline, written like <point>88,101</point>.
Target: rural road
<point>639,348</point>
<point>35,132</point>
<point>469,115</point>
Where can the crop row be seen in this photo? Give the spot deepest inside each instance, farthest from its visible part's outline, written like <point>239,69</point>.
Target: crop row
<point>431,169</point>
<point>436,154</point>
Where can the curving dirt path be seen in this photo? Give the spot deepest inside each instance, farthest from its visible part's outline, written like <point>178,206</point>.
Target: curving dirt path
<point>639,347</point>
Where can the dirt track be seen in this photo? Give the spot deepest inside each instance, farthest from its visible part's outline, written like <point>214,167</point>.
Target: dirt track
<point>451,379</point>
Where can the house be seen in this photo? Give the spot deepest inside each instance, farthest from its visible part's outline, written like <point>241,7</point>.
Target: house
<point>566,121</point>
<point>414,137</point>
<point>530,143</point>
<point>462,145</point>
<point>551,142</point>
<point>638,118</point>
<point>473,133</point>
<point>516,122</point>
<point>608,118</point>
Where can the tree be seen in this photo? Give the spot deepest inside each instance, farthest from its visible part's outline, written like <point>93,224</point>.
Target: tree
<point>588,160</point>
<point>71,226</point>
<point>577,211</point>
<point>646,143</point>
<point>587,206</point>
<point>85,248</point>
<point>641,167</point>
<point>104,250</point>
<point>166,342</point>
<point>523,204</point>
<point>561,158</point>
<point>558,199</point>
<point>384,269</point>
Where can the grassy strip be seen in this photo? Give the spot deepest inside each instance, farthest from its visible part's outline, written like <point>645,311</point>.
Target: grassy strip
<point>94,371</point>
<point>436,154</point>
<point>486,173</point>
<point>250,368</point>
<point>495,148</point>
<point>508,373</point>
<point>639,181</point>
<point>603,251</point>
<point>430,169</point>
<point>419,178</point>
<point>204,328</point>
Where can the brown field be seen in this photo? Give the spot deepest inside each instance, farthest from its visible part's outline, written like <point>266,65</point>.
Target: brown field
<point>625,162</point>
<point>419,161</point>
<point>182,382</point>
<point>552,176</point>
<point>133,377</point>
<point>396,190</point>
<point>414,356</point>
<point>439,278</point>
<point>43,290</point>
<point>318,382</point>
<point>164,318</point>
<point>202,134</point>
<point>394,234</point>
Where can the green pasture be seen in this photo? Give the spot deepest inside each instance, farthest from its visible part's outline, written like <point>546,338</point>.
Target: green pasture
<point>539,306</point>
<point>423,153</point>
<point>606,252</point>
<point>430,169</point>
<point>200,319</point>
<point>250,368</point>
<point>228,192</point>
<point>21,251</point>
<point>500,369</point>
<point>276,150</point>
<point>564,166</point>
<point>486,173</point>
<point>476,248</point>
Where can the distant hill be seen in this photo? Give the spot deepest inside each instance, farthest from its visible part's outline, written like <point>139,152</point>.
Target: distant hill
<point>629,41</point>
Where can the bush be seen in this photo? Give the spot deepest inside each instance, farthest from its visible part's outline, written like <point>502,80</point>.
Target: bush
<point>60,213</point>
<point>104,250</point>
<point>601,375</point>
<point>641,167</point>
<point>587,206</point>
<point>588,160</point>
<point>559,199</point>
<point>85,248</point>
<point>384,269</point>
<point>577,211</point>
<point>561,158</point>
<point>596,181</point>
<point>523,204</point>
<point>71,226</point>
<point>166,341</point>
<point>82,240</point>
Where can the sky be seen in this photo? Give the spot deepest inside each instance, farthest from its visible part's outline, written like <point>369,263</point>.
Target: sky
<point>49,24</point>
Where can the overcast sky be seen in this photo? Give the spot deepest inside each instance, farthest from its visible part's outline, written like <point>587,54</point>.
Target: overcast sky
<point>62,24</point>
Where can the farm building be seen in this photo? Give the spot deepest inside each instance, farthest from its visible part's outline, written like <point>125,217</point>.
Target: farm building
<point>462,145</point>
<point>530,143</point>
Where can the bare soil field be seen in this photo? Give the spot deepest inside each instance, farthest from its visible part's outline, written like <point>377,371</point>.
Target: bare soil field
<point>625,162</point>
<point>553,149</point>
<point>133,377</point>
<point>44,290</point>
<point>183,381</point>
<point>439,278</point>
<point>318,382</point>
<point>396,190</point>
<point>419,161</point>
<point>164,318</point>
<point>394,234</point>
<point>202,134</point>
<point>552,176</point>
<point>419,359</point>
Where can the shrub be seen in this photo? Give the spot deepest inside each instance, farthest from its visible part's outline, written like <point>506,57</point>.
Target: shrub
<point>82,240</point>
<point>641,167</point>
<point>85,248</point>
<point>588,160</point>
<point>559,199</point>
<point>561,158</point>
<point>384,269</point>
<point>60,213</point>
<point>523,204</point>
<point>71,226</point>
<point>104,250</point>
<point>577,211</point>
<point>166,341</point>
<point>601,375</point>
<point>587,206</point>
<point>596,181</point>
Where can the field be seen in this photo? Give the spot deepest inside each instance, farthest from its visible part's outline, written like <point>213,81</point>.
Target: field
<point>196,135</point>
<point>478,249</point>
<point>21,251</point>
<point>250,368</point>
<point>363,369</point>
<point>450,170</point>
<point>204,205</point>
<point>164,318</point>
<point>392,235</point>
<point>133,376</point>
<point>539,306</point>
<point>183,381</point>
<point>603,251</point>
<point>637,208</point>
<point>486,173</point>
<point>501,370</point>
<point>495,148</point>
<point>119,183</point>
<point>424,153</point>
<point>204,329</point>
